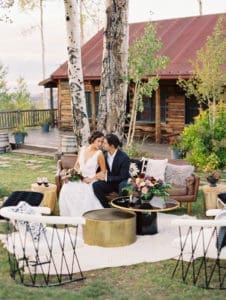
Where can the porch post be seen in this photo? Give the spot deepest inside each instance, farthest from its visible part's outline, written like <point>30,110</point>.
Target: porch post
<point>52,107</point>
<point>157,117</point>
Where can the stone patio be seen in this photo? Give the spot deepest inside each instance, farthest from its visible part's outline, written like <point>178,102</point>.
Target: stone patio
<point>49,144</point>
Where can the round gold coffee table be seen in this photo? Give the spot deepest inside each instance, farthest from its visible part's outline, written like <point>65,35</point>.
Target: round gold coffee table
<point>109,227</point>
<point>146,214</point>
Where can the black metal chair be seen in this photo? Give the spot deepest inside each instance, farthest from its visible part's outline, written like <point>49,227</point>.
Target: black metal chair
<point>41,255</point>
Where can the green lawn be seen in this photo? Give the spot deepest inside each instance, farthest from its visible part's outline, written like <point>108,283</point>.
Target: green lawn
<point>141,281</point>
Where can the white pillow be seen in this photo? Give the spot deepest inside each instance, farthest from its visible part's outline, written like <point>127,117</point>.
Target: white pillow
<point>177,174</point>
<point>156,168</point>
<point>35,229</point>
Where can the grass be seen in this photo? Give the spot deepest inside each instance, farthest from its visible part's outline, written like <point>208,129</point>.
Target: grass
<point>142,281</point>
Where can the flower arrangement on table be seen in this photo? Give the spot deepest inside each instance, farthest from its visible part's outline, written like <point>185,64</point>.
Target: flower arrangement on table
<point>147,187</point>
<point>73,175</point>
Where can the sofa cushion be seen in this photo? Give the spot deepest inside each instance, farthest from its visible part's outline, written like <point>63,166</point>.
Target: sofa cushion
<point>177,174</point>
<point>156,168</point>
<point>177,190</point>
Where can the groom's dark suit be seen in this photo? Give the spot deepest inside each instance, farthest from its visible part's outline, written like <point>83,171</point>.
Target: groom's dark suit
<point>116,177</point>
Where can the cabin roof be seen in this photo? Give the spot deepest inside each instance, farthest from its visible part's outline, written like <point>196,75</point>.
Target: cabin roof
<point>181,38</point>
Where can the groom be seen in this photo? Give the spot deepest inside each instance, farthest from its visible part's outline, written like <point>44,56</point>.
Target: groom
<point>117,175</point>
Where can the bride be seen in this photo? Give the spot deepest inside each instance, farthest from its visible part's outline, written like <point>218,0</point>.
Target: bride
<point>77,197</point>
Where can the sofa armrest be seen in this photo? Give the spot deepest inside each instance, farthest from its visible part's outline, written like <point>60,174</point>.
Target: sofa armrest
<point>192,185</point>
<point>66,162</point>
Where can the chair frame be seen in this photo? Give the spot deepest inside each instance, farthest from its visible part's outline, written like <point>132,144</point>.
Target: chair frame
<point>202,270</point>
<point>29,264</point>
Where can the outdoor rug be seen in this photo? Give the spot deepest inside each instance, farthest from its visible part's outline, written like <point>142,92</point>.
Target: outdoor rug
<point>147,248</point>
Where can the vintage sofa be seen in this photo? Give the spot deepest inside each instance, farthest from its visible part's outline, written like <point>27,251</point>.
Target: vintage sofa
<point>178,172</point>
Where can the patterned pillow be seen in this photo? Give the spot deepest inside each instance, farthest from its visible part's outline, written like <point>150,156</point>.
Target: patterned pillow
<point>35,229</point>
<point>156,168</point>
<point>178,174</point>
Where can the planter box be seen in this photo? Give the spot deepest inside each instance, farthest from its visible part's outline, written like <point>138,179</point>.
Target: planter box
<point>45,128</point>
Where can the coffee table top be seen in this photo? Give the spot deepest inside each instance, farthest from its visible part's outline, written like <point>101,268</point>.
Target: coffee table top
<point>156,204</point>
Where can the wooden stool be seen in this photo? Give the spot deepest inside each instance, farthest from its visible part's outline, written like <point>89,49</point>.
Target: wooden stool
<point>109,227</point>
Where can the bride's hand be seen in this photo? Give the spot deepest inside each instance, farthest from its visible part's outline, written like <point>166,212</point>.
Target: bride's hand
<point>100,175</point>
<point>65,179</point>
<point>87,179</point>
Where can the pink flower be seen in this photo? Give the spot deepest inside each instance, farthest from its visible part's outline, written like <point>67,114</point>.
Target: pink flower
<point>144,190</point>
<point>148,183</point>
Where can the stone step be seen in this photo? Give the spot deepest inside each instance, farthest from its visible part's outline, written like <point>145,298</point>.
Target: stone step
<point>34,150</point>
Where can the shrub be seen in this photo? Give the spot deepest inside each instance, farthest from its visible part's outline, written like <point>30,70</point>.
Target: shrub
<point>204,143</point>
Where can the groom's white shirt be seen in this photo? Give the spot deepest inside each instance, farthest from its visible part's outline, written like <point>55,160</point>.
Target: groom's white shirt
<point>110,159</point>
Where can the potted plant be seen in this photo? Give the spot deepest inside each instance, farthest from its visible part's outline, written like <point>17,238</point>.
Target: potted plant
<point>175,148</point>
<point>45,124</point>
<point>213,178</point>
<point>19,134</point>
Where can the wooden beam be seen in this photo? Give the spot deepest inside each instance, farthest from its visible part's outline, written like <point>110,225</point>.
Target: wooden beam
<point>157,117</point>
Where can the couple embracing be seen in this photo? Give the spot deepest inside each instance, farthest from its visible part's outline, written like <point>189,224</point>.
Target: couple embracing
<point>104,167</point>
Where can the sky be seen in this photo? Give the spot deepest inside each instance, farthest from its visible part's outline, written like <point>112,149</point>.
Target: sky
<point>20,48</point>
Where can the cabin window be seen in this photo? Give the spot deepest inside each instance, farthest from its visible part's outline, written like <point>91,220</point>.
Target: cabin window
<point>97,95</point>
<point>192,109</point>
<point>88,104</point>
<point>148,114</point>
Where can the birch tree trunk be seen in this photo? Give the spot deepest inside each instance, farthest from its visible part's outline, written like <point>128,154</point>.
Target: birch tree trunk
<point>113,89</point>
<point>75,74</point>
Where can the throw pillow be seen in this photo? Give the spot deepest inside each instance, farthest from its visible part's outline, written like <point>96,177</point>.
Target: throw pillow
<point>178,174</point>
<point>35,229</point>
<point>156,168</point>
<point>32,198</point>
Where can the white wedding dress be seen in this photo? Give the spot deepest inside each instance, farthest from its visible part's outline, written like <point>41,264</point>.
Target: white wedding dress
<point>77,197</point>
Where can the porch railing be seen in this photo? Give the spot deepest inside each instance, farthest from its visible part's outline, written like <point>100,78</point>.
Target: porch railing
<point>28,118</point>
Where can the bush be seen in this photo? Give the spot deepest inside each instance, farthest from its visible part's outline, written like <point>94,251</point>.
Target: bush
<point>204,143</point>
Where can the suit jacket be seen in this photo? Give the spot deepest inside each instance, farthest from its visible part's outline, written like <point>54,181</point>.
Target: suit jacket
<point>120,167</point>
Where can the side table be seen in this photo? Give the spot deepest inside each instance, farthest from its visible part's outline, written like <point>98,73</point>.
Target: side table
<point>50,194</point>
<point>210,195</point>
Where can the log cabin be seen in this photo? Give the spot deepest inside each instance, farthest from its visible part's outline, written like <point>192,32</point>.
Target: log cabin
<point>168,110</point>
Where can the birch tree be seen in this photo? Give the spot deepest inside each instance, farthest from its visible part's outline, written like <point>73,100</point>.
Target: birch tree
<point>113,89</point>
<point>78,104</point>
<point>144,61</point>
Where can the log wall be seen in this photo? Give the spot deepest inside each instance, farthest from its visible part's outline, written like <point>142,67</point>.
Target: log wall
<point>175,115</point>
<point>65,119</point>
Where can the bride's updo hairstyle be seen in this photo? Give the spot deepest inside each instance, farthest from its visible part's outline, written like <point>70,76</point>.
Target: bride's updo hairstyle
<point>95,135</point>
<point>112,139</point>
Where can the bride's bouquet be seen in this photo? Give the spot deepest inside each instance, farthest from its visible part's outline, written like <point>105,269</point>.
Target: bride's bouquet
<point>73,175</point>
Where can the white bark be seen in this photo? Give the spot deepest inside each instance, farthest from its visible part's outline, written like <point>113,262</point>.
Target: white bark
<point>75,74</point>
<point>113,91</point>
